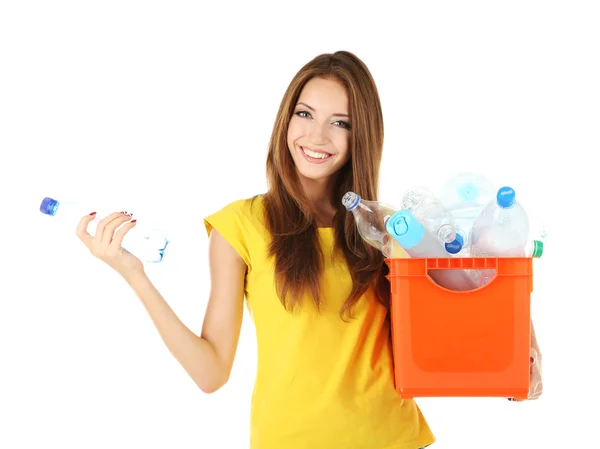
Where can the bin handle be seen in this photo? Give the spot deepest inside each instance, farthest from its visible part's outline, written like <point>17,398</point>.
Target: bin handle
<point>461,263</point>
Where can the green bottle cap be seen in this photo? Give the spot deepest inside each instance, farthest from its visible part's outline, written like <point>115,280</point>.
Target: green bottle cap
<point>538,248</point>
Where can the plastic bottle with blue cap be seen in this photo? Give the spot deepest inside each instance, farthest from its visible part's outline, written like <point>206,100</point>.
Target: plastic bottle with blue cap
<point>418,242</point>
<point>465,195</point>
<point>500,230</point>
<point>429,210</point>
<point>146,244</point>
<point>370,218</point>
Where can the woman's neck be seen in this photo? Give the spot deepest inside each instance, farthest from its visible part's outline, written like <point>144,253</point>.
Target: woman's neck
<point>320,194</point>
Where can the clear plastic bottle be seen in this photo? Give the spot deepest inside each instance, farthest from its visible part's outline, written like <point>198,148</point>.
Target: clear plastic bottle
<point>464,196</point>
<point>148,245</point>
<point>418,242</point>
<point>457,247</point>
<point>534,248</point>
<point>428,209</point>
<point>538,237</point>
<point>370,218</point>
<point>500,230</point>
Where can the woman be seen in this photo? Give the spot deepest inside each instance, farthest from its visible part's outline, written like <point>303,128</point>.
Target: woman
<point>316,292</point>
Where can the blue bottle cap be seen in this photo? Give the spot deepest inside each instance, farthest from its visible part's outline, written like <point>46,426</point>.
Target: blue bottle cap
<point>405,228</point>
<point>48,206</point>
<point>468,192</point>
<point>455,246</point>
<point>350,200</point>
<point>505,197</point>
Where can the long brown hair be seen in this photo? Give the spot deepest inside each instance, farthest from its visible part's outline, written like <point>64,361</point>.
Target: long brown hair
<point>289,215</point>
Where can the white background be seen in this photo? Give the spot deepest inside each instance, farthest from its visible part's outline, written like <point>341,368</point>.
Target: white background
<point>165,109</point>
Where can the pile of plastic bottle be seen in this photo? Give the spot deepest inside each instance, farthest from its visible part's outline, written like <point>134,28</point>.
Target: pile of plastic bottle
<point>470,218</point>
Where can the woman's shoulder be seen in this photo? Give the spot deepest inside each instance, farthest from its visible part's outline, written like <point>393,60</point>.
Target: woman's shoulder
<point>240,212</point>
<point>249,208</point>
<point>241,223</point>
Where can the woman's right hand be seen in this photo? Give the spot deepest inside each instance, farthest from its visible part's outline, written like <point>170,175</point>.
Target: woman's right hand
<point>106,244</point>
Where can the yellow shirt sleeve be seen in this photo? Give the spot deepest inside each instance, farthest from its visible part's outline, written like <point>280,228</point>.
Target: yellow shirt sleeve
<point>231,221</point>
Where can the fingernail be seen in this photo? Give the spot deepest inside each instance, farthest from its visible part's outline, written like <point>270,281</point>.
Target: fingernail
<point>132,221</point>
<point>93,213</point>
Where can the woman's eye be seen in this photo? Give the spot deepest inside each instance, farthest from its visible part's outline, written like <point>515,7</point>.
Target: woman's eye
<point>302,114</point>
<point>343,124</point>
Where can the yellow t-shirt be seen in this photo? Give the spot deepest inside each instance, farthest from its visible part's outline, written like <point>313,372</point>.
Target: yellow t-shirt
<point>321,383</point>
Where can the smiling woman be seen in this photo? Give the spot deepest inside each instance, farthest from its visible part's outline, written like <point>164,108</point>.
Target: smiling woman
<point>317,292</point>
<point>319,140</point>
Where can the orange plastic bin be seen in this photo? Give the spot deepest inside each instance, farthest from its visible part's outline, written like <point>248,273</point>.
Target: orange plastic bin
<point>461,343</point>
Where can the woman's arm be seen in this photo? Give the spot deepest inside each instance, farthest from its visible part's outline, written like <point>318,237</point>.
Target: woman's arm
<point>208,358</point>
<point>534,342</point>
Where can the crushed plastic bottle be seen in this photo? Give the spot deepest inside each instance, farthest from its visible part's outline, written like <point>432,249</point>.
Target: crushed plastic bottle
<point>429,210</point>
<point>149,245</point>
<point>464,196</point>
<point>418,242</point>
<point>370,218</point>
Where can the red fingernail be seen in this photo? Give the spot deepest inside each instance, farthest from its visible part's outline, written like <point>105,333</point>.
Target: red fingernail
<point>93,213</point>
<point>132,221</point>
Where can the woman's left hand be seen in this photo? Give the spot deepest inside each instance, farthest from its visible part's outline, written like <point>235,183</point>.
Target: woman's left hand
<point>535,376</point>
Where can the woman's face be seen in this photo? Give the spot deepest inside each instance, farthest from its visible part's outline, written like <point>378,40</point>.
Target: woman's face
<point>319,131</point>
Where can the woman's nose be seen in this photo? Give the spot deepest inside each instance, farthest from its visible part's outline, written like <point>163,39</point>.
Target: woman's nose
<point>317,134</point>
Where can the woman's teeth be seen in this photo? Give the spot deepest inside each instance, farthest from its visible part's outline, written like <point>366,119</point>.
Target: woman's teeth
<point>314,154</point>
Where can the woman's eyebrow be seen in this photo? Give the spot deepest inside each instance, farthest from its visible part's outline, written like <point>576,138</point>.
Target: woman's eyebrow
<point>312,109</point>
